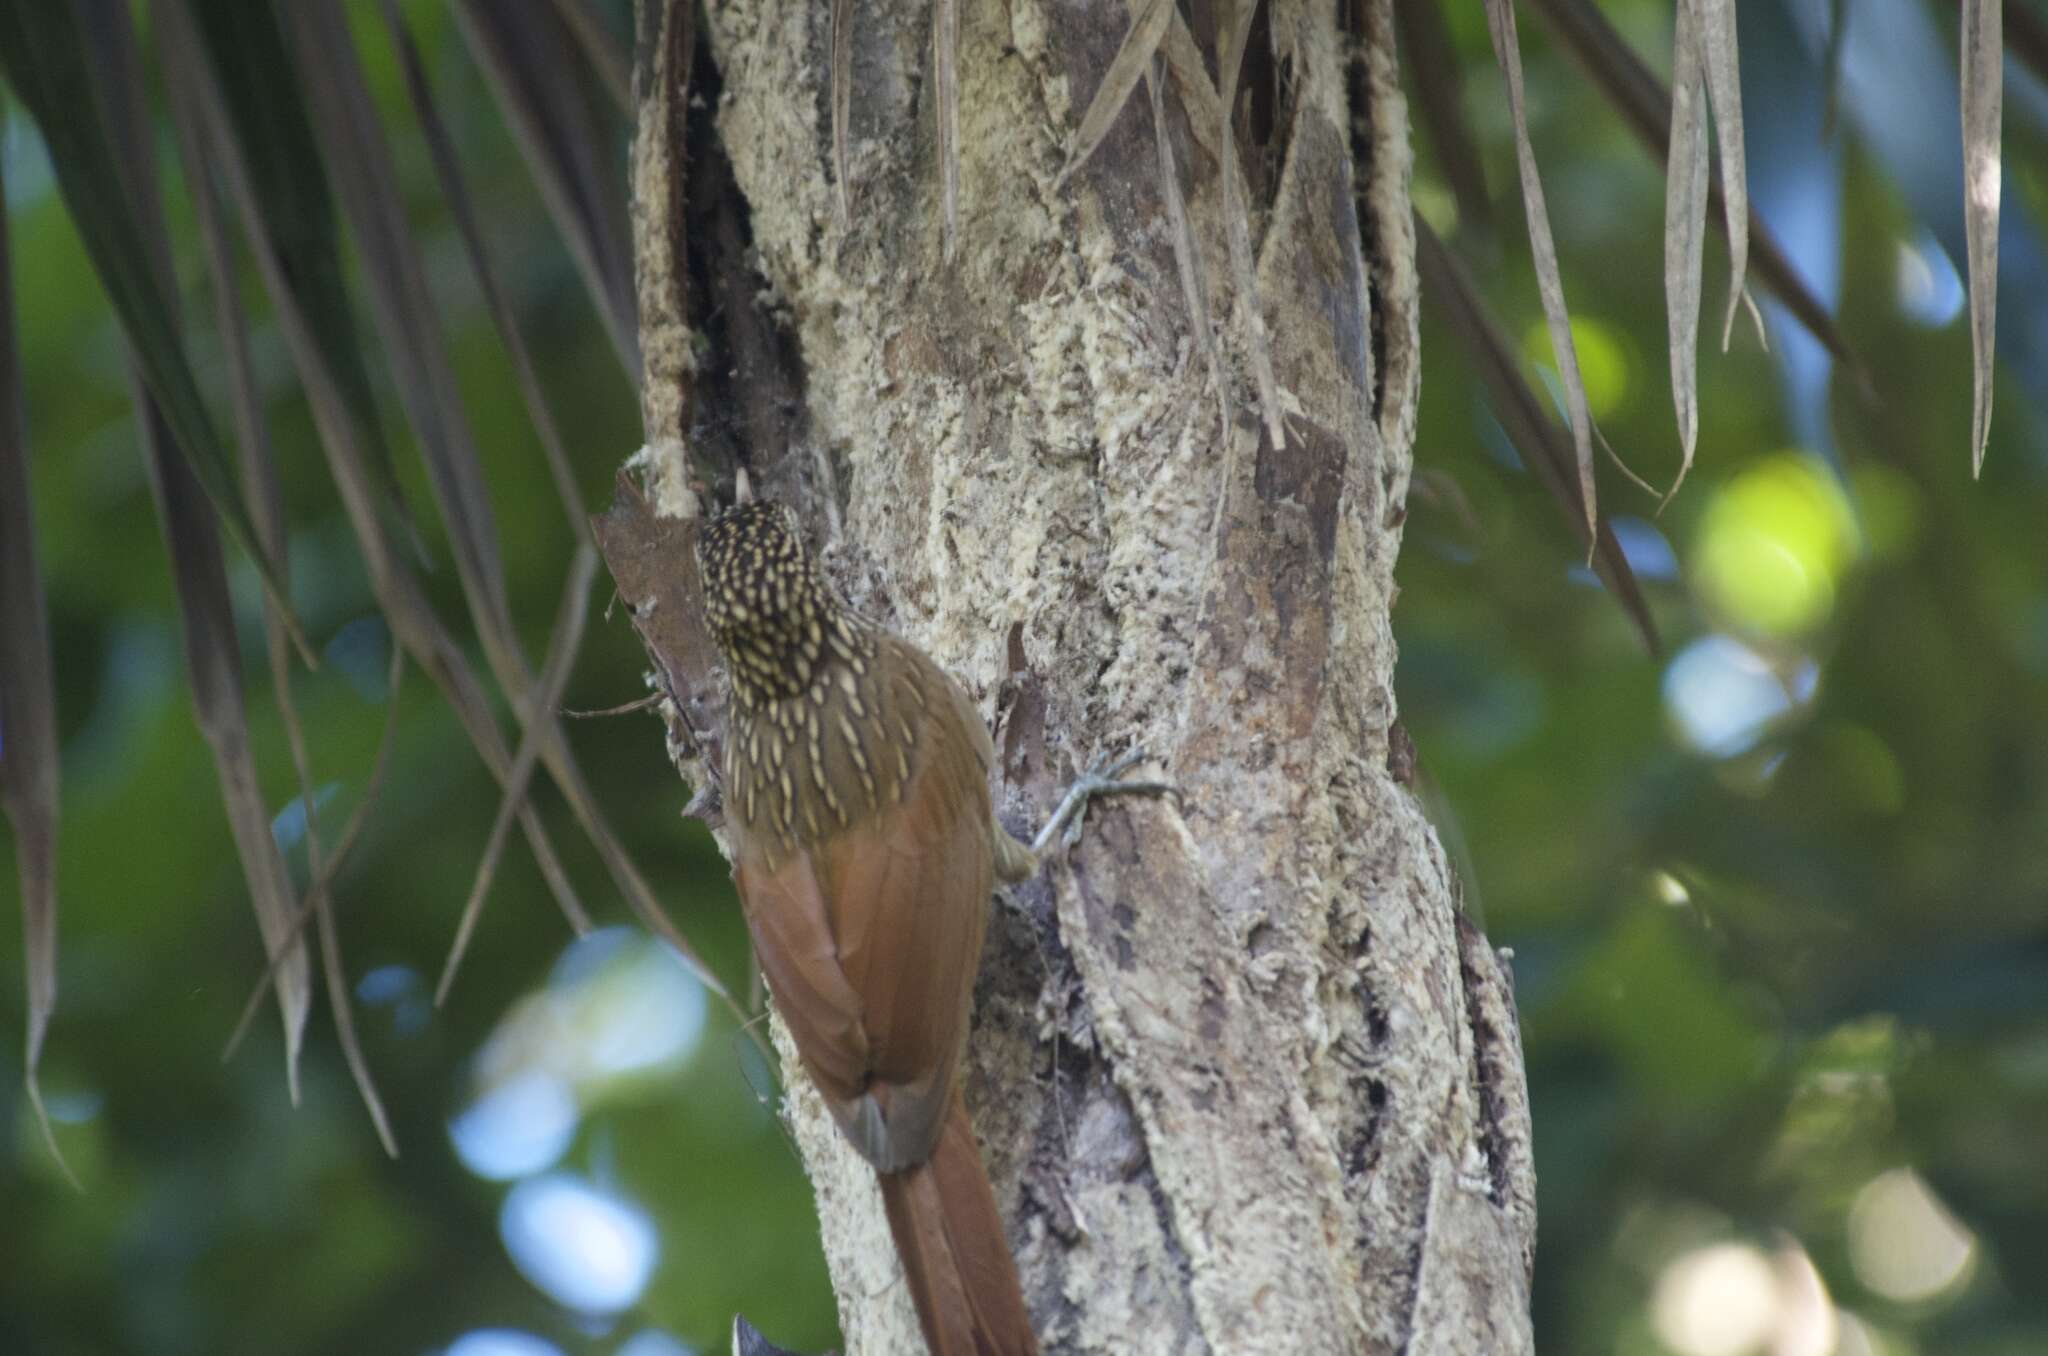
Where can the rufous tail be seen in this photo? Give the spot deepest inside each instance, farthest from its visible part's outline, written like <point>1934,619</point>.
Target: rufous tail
<point>955,1259</point>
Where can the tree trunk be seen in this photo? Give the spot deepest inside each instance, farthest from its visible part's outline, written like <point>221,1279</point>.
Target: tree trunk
<point>1245,1079</point>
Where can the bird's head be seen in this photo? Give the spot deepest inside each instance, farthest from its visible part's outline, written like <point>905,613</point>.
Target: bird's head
<point>768,609</point>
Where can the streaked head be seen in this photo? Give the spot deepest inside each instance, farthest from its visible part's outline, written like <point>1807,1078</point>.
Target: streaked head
<point>763,598</point>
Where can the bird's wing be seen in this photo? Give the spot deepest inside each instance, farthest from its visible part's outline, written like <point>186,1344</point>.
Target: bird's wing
<point>792,931</point>
<point>908,897</point>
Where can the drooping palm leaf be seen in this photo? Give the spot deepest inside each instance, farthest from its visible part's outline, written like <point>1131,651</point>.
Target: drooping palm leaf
<point>213,653</point>
<point>528,55</point>
<point>1186,253</point>
<point>1685,228</point>
<point>1237,226</point>
<point>43,52</point>
<point>1500,24</point>
<point>1645,107</point>
<point>266,500</point>
<point>1983,84</point>
<point>319,893</point>
<point>249,67</point>
<point>366,182</point>
<point>1718,59</point>
<point>448,168</point>
<point>1133,56</point>
<point>561,660</point>
<point>208,135</point>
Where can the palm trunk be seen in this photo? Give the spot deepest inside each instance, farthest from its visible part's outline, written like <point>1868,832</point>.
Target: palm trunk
<point>1245,1079</point>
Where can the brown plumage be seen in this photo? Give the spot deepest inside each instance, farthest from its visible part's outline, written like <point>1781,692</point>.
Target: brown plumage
<point>866,852</point>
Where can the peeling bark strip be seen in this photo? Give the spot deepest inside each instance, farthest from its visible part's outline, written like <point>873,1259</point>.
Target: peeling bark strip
<point>665,51</point>
<point>1244,1080</point>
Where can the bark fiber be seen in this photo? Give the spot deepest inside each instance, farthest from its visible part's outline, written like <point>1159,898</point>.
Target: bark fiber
<point>1244,1078</point>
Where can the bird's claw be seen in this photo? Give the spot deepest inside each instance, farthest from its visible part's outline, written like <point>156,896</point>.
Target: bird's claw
<point>1102,779</point>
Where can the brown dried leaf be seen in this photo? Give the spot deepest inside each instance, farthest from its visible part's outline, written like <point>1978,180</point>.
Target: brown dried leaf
<point>401,302</point>
<point>528,61</point>
<point>568,637</point>
<point>339,998</point>
<point>1186,254</point>
<point>1685,228</point>
<point>322,888</point>
<point>260,485</point>
<point>1191,78</point>
<point>1500,25</point>
<point>1133,57</point>
<point>842,103</point>
<point>448,168</point>
<point>396,274</point>
<point>946,87</point>
<point>207,136</point>
<point>213,665</point>
<point>1716,36</point>
<point>1237,230</point>
<point>1645,107</point>
<point>213,656</point>
<point>1983,56</point>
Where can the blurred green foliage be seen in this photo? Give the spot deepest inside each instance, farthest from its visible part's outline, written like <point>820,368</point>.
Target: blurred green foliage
<point>215,1218</point>
<point>1753,979</point>
<point>1758,976</point>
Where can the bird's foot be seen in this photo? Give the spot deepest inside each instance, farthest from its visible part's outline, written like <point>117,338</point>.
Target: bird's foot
<point>1100,780</point>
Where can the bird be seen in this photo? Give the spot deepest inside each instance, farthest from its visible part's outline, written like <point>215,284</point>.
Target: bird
<point>865,849</point>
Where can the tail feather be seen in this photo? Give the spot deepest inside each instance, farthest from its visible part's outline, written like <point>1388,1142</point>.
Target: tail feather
<point>955,1258</point>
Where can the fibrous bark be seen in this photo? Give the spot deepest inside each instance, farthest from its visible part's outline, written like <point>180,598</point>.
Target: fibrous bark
<point>1245,1079</point>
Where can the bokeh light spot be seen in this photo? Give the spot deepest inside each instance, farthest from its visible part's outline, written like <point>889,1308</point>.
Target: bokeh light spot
<point>518,1127</point>
<point>1929,291</point>
<point>501,1342</point>
<point>1669,890</point>
<point>654,1342</point>
<point>360,653</point>
<point>1854,1337</point>
<point>1903,1242</point>
<point>642,1013</point>
<point>1645,548</point>
<point>616,1007</point>
<point>288,825</point>
<point>1722,696</point>
<point>1772,546</point>
<point>1807,1323</point>
<point>1720,1300</point>
<point>399,988</point>
<point>1603,361</point>
<point>588,1250</point>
